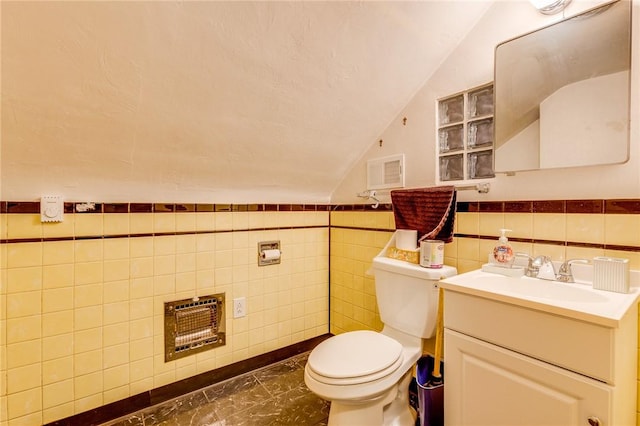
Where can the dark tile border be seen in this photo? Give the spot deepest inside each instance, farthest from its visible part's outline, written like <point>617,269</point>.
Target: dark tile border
<point>614,206</point>
<point>165,393</point>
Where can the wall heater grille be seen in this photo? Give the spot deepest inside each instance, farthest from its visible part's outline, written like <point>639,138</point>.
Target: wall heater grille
<point>192,326</point>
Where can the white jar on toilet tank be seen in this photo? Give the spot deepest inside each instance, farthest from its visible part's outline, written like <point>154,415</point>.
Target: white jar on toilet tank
<point>431,253</point>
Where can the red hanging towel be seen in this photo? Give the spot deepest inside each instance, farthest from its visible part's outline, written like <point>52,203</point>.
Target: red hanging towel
<point>431,211</point>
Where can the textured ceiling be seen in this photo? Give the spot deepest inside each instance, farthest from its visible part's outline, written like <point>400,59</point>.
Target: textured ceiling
<point>208,101</point>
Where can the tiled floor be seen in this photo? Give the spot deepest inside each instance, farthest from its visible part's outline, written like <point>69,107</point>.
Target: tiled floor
<point>274,395</point>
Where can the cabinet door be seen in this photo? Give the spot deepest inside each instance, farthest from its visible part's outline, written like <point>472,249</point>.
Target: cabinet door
<point>489,385</point>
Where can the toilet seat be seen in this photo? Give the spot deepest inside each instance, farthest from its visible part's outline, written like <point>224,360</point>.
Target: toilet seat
<point>354,357</point>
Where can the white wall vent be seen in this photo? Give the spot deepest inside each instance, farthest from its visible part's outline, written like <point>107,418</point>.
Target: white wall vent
<point>386,172</point>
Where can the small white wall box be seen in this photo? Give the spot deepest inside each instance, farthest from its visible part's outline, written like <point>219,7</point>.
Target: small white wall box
<point>386,172</point>
<point>611,274</point>
<point>51,208</point>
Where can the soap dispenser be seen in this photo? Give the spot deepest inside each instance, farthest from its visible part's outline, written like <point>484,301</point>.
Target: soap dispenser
<point>502,252</point>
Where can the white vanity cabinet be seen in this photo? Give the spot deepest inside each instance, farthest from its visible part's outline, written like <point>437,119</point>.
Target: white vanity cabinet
<point>520,361</point>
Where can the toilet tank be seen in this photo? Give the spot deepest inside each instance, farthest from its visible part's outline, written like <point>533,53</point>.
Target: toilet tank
<point>407,294</point>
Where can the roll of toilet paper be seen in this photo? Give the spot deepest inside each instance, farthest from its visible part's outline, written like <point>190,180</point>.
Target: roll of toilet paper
<point>271,254</point>
<point>407,239</point>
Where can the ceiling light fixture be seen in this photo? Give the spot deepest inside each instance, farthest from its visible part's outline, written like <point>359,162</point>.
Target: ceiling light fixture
<point>549,7</point>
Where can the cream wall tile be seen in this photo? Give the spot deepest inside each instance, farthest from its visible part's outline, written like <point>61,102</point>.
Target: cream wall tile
<point>23,353</point>
<point>240,220</point>
<point>185,282</point>
<point>57,393</point>
<point>468,223</point>
<point>23,404</point>
<point>87,340</point>
<point>117,355</point>
<point>31,419</point>
<point>57,370</point>
<point>87,317</point>
<point>164,245</point>
<point>87,385</point>
<point>115,394</point>
<point>141,246</point>
<point>58,412</point>
<point>88,250</point>
<point>622,229</point>
<point>491,223</point>
<point>521,224</point>
<point>164,265</point>
<point>88,273</point>
<point>57,346</point>
<point>23,304</point>
<point>85,363</point>
<point>58,252</point>
<point>24,279</point>
<point>141,329</point>
<point>66,228</point>
<point>23,329</point>
<point>186,222</point>
<point>115,334</point>
<point>116,224</point>
<point>164,222</point>
<point>87,295</point>
<point>205,221</point>
<point>57,323</point>
<point>185,262</point>
<point>57,299</point>
<point>22,378</point>
<point>58,276</point>
<point>556,252</point>
<point>585,228</point>
<point>141,287</point>
<point>141,308</point>
<point>141,267</point>
<point>24,226</point>
<point>88,224</point>
<point>549,226</point>
<point>21,255</point>
<point>115,313</point>
<point>116,270</point>
<point>141,223</point>
<point>185,243</point>
<point>468,249</point>
<point>116,291</point>
<point>164,284</point>
<point>88,403</point>
<point>3,226</point>
<point>116,248</point>
<point>141,369</point>
<point>583,252</point>
<point>223,221</point>
<point>141,349</point>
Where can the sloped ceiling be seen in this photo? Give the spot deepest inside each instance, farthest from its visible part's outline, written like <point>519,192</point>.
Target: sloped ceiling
<point>208,101</point>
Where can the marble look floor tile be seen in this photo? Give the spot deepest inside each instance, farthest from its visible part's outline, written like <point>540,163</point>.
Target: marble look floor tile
<point>274,395</point>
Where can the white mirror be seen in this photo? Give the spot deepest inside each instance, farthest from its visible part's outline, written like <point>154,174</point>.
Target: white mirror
<point>562,93</point>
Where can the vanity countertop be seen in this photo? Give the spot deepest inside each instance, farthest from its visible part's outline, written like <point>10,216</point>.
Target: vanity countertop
<point>573,300</point>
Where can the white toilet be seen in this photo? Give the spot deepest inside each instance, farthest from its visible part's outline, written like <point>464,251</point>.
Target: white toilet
<point>366,374</point>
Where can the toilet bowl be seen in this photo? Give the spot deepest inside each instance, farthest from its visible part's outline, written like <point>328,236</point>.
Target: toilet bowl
<point>366,374</point>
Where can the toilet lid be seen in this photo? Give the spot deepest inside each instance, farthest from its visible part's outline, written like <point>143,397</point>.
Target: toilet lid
<point>356,354</point>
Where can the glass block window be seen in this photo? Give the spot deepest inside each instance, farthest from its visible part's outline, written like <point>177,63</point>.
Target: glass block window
<point>465,135</point>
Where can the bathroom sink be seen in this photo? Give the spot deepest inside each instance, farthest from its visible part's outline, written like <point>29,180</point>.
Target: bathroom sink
<point>576,300</point>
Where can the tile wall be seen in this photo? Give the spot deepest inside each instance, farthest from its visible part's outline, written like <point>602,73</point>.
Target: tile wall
<point>81,302</point>
<point>561,229</point>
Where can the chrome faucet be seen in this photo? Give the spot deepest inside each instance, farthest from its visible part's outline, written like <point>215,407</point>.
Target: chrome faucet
<point>564,274</point>
<point>534,264</point>
<point>546,270</point>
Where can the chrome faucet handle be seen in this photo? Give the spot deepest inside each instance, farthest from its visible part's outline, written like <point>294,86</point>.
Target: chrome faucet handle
<point>546,270</point>
<point>564,274</point>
